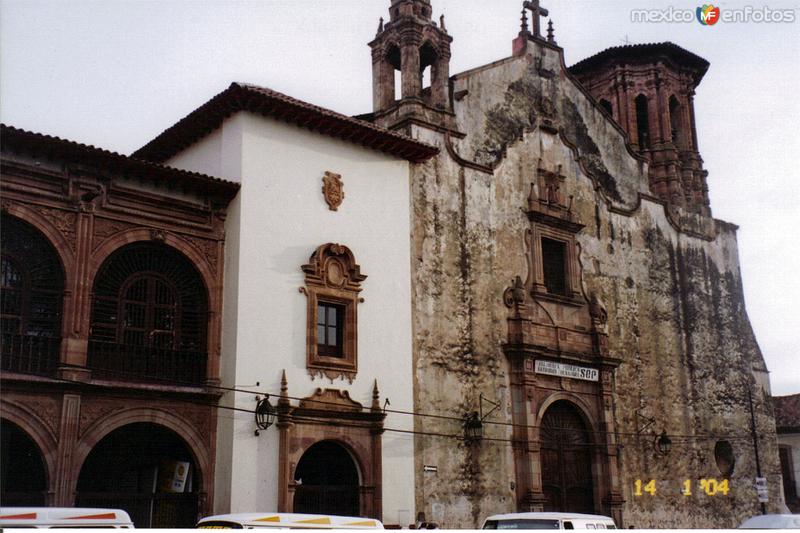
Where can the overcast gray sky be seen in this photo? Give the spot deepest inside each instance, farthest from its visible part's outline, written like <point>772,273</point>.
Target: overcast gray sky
<point>115,73</point>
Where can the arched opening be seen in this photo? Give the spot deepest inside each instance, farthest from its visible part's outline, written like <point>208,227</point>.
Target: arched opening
<point>642,122</point>
<point>566,460</point>
<point>725,458</point>
<point>327,481</point>
<point>394,59</point>
<point>427,61</point>
<point>606,105</point>
<point>675,121</point>
<point>145,469</point>
<point>23,479</point>
<point>32,281</point>
<point>149,316</point>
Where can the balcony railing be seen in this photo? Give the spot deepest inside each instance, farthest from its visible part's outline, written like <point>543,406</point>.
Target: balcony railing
<point>29,354</point>
<point>135,363</point>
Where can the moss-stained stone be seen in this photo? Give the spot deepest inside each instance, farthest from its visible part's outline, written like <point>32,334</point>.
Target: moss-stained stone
<point>674,300</point>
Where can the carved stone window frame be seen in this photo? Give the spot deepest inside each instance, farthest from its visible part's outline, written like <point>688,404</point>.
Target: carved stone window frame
<point>332,276</point>
<point>571,275</point>
<point>551,217</point>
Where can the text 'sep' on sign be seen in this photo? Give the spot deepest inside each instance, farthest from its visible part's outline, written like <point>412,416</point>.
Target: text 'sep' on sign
<point>563,370</point>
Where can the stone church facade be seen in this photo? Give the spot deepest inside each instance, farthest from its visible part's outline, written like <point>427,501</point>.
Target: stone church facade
<point>522,257</point>
<point>564,227</point>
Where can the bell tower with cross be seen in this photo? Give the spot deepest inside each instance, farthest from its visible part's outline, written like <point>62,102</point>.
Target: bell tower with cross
<point>409,43</point>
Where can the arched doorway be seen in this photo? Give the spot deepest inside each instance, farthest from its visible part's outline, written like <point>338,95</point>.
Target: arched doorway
<point>146,470</point>
<point>23,481</point>
<point>566,460</point>
<point>327,481</point>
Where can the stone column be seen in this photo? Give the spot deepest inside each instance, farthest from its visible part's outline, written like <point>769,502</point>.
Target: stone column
<point>65,485</point>
<point>77,308</point>
<point>382,81</point>
<point>440,82</point>
<point>410,71</point>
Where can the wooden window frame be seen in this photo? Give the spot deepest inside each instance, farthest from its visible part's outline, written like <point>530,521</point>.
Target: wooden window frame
<point>571,293</point>
<point>333,277</point>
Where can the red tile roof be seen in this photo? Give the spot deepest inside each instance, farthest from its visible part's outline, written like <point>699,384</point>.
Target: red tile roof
<point>269,103</point>
<point>787,413</point>
<point>642,51</point>
<point>22,141</point>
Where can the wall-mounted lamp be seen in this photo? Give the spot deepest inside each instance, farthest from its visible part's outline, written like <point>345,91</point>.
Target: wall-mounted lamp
<point>473,422</point>
<point>663,444</point>
<point>265,414</point>
<point>473,428</point>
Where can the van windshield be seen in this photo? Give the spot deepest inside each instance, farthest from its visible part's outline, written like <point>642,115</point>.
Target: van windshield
<point>521,523</point>
<point>219,524</point>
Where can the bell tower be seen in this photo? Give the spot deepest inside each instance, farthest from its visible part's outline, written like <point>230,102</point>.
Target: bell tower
<point>410,43</point>
<point>648,89</point>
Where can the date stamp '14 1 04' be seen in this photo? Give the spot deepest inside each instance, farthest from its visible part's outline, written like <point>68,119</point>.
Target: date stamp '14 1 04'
<point>709,487</point>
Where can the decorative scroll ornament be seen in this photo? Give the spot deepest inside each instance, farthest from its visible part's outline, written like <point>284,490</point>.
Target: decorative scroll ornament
<point>333,189</point>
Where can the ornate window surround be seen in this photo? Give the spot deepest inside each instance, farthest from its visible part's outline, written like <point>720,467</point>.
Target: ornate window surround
<point>332,276</point>
<point>551,217</point>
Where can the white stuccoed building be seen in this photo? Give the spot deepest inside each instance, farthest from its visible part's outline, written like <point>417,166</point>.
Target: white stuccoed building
<point>317,303</point>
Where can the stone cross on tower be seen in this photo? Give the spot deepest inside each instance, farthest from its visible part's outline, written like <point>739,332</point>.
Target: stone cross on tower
<point>538,11</point>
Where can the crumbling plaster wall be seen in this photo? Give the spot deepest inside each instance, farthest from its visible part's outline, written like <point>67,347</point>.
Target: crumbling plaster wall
<point>675,305</point>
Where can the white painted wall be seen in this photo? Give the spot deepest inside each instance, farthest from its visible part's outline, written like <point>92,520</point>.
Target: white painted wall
<point>278,219</point>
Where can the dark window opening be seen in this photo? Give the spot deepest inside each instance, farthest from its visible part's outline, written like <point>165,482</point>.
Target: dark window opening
<point>789,483</point>
<point>32,282</point>
<point>394,59</point>
<point>555,266</point>
<point>605,104</point>
<point>675,119</point>
<point>330,329</point>
<point>642,122</point>
<point>724,457</point>
<point>149,316</point>
<point>32,285</point>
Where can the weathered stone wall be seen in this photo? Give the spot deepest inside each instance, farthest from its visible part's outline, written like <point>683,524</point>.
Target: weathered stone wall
<point>674,301</point>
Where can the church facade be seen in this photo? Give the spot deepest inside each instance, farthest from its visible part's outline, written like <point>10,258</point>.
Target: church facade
<point>501,292</point>
<point>573,298</point>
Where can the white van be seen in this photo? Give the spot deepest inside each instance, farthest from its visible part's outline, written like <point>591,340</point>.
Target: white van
<point>287,521</point>
<point>64,517</point>
<point>548,521</point>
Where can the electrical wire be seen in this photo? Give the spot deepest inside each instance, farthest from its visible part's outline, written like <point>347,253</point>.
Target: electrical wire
<point>511,441</point>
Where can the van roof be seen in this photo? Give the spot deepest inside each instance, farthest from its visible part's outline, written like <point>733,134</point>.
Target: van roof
<point>62,515</point>
<point>306,521</point>
<point>549,516</point>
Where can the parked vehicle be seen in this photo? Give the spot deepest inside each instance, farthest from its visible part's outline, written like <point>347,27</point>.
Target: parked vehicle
<point>548,521</point>
<point>772,521</point>
<point>64,517</point>
<point>287,521</point>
